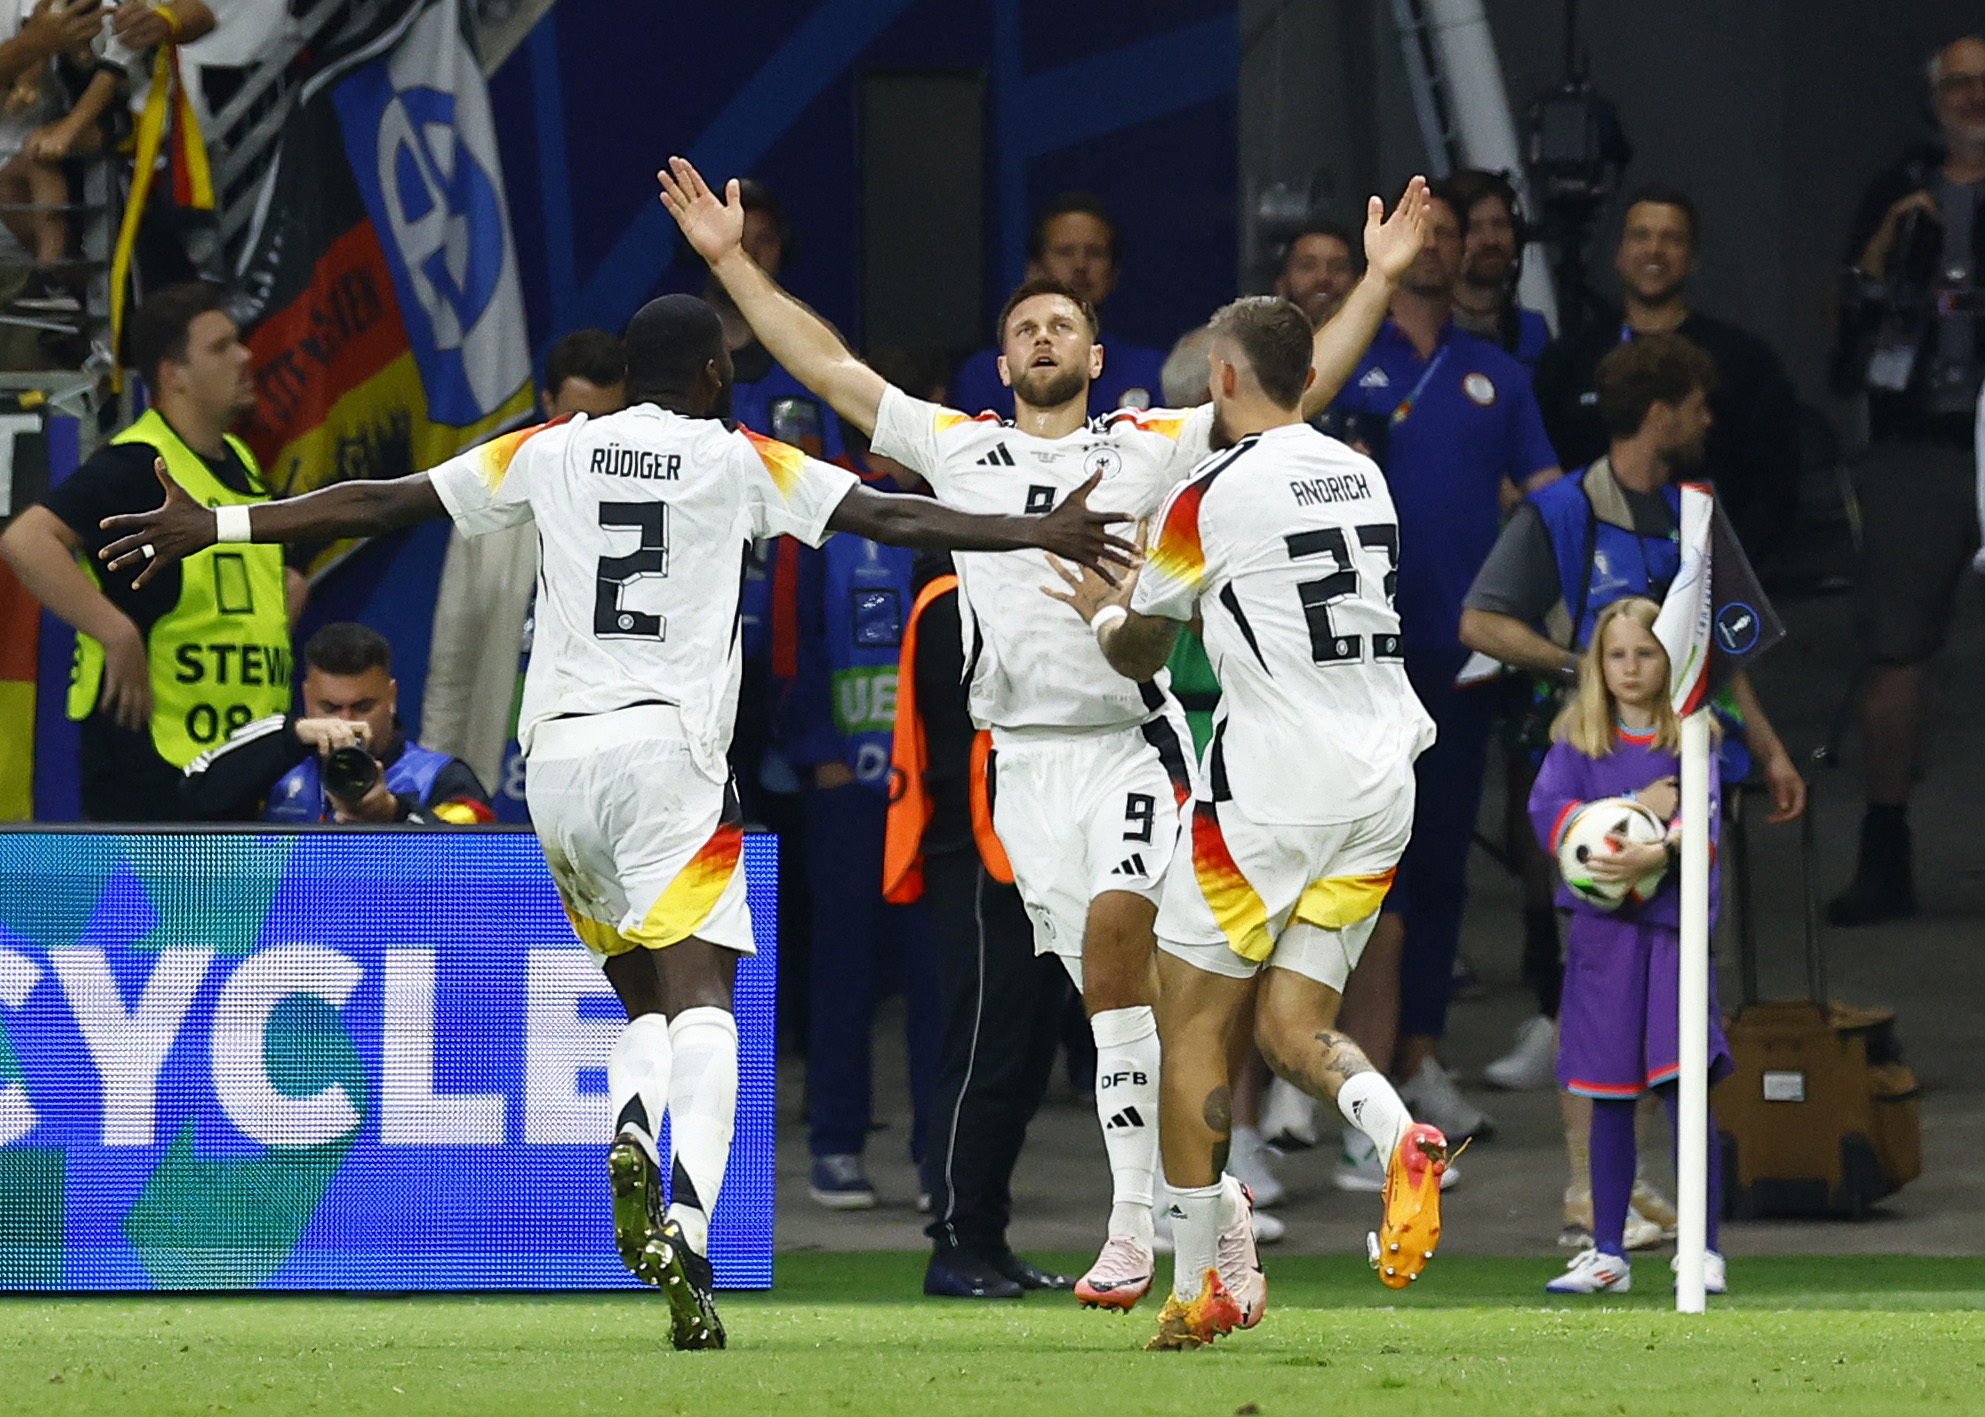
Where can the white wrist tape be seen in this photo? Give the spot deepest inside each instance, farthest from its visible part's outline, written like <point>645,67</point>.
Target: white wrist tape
<point>232,524</point>
<point>1109,615</point>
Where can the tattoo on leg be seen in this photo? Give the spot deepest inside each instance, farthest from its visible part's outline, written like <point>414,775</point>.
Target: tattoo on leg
<point>1322,1069</point>
<point>1218,1114</point>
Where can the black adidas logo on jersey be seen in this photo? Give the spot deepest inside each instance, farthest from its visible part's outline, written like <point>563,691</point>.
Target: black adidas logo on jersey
<point>998,457</point>
<point>1130,866</point>
<point>1129,1117</point>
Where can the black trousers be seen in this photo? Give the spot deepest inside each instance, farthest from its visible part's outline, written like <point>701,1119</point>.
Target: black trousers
<point>1002,1024</point>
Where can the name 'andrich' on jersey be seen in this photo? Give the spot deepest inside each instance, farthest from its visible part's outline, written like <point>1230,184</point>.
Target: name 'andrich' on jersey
<point>614,460</point>
<point>1322,491</point>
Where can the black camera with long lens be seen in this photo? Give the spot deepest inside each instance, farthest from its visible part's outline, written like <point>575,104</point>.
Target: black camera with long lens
<point>349,773</point>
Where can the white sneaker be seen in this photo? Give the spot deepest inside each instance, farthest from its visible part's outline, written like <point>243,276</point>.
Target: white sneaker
<point>1591,1272</point>
<point>1249,1162</point>
<point>1433,1098</point>
<point>1359,1170</point>
<point>1640,1233</point>
<point>1715,1273</point>
<point>1288,1117</point>
<point>1530,1066</point>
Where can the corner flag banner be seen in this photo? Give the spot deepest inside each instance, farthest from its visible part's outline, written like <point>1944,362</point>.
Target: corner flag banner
<point>1715,619</point>
<point>386,318</point>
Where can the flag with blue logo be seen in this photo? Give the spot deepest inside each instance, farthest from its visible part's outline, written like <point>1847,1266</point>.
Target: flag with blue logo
<point>1715,618</point>
<point>380,279</point>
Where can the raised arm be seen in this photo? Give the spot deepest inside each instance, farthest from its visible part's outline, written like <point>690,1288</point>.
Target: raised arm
<point>804,344</point>
<point>180,526</point>
<point>900,519</point>
<point>1391,243</point>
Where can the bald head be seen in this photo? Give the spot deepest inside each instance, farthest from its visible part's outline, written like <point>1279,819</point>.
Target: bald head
<point>1957,92</point>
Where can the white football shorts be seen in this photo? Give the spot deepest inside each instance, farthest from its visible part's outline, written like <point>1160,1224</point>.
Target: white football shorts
<point>1239,888</point>
<point>1084,813</point>
<point>645,849</point>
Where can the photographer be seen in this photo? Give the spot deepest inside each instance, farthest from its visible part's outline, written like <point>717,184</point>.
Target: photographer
<point>1909,341</point>
<point>346,760</point>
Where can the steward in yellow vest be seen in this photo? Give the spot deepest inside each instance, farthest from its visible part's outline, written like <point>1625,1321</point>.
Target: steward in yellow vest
<point>163,674</point>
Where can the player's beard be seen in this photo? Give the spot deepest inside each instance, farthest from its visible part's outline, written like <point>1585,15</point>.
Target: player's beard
<point>1049,388</point>
<point>1683,459</point>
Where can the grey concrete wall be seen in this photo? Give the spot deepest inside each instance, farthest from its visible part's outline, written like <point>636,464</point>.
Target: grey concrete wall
<point>1771,113</point>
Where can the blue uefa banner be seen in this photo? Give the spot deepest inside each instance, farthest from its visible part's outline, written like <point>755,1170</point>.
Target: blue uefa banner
<point>325,1059</point>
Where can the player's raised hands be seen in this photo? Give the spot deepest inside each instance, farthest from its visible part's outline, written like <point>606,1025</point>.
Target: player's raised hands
<point>1391,242</point>
<point>154,540</point>
<point>714,226</point>
<point>1078,534</point>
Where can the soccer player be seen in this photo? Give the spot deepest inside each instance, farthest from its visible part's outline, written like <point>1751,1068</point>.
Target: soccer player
<point>1286,547</point>
<point>1092,765</point>
<point>645,517</point>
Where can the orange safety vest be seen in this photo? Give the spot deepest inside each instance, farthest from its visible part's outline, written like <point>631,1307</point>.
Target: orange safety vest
<point>909,800</point>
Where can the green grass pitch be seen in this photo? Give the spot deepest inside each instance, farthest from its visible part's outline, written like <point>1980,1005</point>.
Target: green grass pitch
<point>845,1334</point>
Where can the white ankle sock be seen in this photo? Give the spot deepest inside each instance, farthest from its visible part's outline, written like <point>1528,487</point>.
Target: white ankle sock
<point>1369,1103</point>
<point>638,1069</point>
<point>702,1116</point>
<point>1127,1107</point>
<point>1196,1216</point>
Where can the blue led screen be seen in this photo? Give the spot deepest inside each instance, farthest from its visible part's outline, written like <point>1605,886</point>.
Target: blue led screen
<point>325,1060</point>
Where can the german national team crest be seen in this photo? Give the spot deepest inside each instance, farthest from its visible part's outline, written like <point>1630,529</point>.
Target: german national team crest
<point>1104,460</point>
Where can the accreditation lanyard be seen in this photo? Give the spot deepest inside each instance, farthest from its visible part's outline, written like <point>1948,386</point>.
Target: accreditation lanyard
<point>1412,399</point>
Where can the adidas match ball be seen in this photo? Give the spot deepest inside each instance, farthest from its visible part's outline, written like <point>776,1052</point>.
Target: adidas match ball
<point>1600,829</point>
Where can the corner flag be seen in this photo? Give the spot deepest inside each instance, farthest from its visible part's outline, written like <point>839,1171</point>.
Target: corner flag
<point>1715,619</point>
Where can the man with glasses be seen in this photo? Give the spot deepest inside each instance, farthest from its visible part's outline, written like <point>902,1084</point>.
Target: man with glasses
<point>1909,341</point>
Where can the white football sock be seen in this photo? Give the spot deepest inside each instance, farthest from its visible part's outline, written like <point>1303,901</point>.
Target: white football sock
<point>702,1116</point>
<point>1127,1106</point>
<point>1196,1216</point>
<point>638,1072</point>
<point>1369,1103</point>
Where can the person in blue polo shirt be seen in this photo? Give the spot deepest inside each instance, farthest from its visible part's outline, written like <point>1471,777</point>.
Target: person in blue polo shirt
<point>1451,420</point>
<point>1075,242</point>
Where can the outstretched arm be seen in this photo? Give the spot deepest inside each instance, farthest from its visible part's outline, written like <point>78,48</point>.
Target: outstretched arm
<point>803,343</point>
<point>1391,243</point>
<point>1070,530</point>
<point>180,526</point>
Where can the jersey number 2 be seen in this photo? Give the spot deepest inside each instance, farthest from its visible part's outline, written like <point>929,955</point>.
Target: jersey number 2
<point>1330,644</point>
<point>650,558</point>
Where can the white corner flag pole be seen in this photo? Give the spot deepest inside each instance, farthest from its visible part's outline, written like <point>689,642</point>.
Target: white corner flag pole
<point>1692,1115</point>
<point>1684,629</point>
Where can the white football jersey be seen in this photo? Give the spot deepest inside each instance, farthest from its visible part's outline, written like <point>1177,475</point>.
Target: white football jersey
<point>1031,661</point>
<point>1288,545</point>
<point>644,521</point>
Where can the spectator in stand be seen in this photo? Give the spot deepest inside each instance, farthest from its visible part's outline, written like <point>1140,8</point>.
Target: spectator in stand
<point>164,673</point>
<point>1450,419</point>
<point>1319,271</point>
<point>1075,242</point>
<point>282,769</point>
<point>1911,342</point>
<point>487,588</point>
<point>1492,239</point>
<point>1752,456</point>
<point>836,729</point>
<point>55,111</point>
